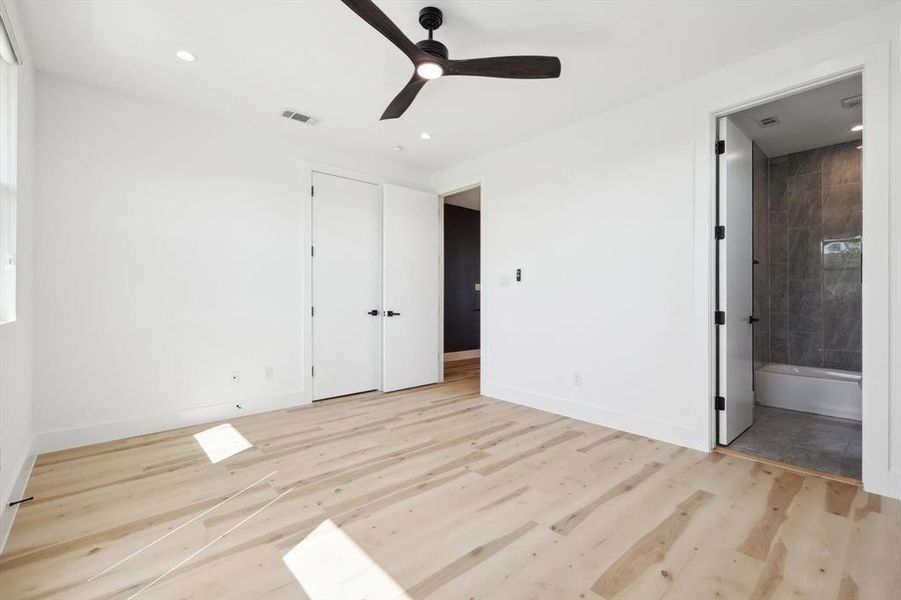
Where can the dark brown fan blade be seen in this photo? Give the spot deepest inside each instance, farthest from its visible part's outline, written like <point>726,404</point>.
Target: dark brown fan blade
<point>404,99</point>
<point>373,15</point>
<point>511,67</point>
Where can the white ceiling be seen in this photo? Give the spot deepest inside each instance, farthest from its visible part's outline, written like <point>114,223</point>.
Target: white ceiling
<point>471,198</point>
<point>257,58</point>
<point>811,119</point>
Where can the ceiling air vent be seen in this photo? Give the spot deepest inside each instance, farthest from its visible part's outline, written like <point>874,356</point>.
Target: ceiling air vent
<point>290,114</point>
<point>852,102</point>
<point>768,121</point>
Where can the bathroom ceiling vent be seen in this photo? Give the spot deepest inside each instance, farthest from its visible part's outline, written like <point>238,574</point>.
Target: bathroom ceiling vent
<point>768,121</point>
<point>852,102</point>
<point>296,116</point>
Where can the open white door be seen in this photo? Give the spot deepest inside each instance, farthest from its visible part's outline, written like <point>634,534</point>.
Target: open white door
<point>411,288</point>
<point>735,266</point>
<point>345,275</point>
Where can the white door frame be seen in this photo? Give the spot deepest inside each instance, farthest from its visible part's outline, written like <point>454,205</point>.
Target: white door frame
<point>484,296</point>
<point>309,168</point>
<point>880,332</point>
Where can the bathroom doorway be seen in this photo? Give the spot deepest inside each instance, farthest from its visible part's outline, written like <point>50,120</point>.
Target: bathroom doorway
<point>462,284</point>
<point>789,264</point>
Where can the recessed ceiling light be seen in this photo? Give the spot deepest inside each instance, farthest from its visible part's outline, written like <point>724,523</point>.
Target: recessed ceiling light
<point>425,135</point>
<point>397,148</point>
<point>857,128</point>
<point>186,56</point>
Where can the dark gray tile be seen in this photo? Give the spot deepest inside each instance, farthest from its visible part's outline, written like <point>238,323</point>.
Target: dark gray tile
<point>842,359</point>
<point>779,288</point>
<point>761,348</point>
<point>779,337</point>
<point>842,209</point>
<point>778,242</point>
<point>804,199</point>
<point>805,305</point>
<point>842,310</point>
<point>808,161</point>
<point>841,284</point>
<point>807,440</point>
<point>761,287</point>
<point>778,172</point>
<point>804,248</point>
<point>841,164</point>
<point>805,348</point>
<point>851,460</point>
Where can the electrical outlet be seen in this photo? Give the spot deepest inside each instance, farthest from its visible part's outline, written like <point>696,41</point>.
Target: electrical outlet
<point>577,379</point>
<point>270,375</point>
<point>236,376</point>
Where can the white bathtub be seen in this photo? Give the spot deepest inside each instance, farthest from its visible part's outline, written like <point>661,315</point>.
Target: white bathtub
<point>809,389</point>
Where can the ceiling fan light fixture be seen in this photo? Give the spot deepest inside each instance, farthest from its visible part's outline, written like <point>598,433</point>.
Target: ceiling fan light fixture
<point>186,55</point>
<point>429,70</point>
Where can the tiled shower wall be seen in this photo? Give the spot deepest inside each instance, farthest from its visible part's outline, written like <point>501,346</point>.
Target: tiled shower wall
<point>814,260</point>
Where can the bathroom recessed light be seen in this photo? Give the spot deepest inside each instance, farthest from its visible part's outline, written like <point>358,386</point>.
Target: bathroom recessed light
<point>186,56</point>
<point>425,135</point>
<point>857,128</point>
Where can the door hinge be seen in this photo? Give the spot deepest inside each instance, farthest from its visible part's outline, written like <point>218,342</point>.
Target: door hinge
<point>312,191</point>
<point>312,371</point>
<point>312,250</point>
<point>719,317</point>
<point>719,403</point>
<point>719,232</point>
<point>312,311</point>
<point>720,147</point>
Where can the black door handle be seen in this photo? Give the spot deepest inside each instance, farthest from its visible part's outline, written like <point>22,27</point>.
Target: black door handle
<point>391,313</point>
<point>374,312</point>
<point>752,319</point>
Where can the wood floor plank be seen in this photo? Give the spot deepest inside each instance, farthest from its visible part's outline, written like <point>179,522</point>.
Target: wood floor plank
<point>451,495</point>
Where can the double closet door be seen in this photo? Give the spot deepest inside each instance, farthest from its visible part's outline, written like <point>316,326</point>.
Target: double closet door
<point>375,287</point>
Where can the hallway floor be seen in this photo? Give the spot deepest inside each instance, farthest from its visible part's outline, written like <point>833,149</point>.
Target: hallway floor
<point>812,441</point>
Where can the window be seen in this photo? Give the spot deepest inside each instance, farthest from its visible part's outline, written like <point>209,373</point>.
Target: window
<point>8,187</point>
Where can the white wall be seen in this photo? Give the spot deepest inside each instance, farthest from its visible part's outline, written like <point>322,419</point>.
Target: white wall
<point>600,217</point>
<point>170,250</point>
<point>16,429</point>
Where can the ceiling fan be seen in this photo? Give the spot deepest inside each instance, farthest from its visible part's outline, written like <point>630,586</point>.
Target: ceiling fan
<point>430,59</point>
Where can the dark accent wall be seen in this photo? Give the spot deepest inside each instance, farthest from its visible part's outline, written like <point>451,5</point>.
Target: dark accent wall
<point>815,201</point>
<point>461,273</point>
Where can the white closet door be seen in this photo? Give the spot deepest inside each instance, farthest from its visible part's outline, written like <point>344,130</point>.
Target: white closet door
<point>345,274</point>
<point>735,276</point>
<point>411,288</point>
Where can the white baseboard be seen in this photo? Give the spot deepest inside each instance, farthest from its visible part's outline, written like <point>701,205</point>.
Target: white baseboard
<point>461,355</point>
<point>8,513</point>
<point>658,430</point>
<point>62,439</point>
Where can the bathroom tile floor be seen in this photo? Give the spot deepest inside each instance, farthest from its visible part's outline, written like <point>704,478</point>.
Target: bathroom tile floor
<point>812,441</point>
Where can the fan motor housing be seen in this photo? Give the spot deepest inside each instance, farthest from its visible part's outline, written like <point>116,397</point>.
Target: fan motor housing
<point>433,47</point>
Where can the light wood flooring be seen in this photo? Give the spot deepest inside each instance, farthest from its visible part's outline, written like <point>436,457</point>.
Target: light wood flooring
<point>450,495</point>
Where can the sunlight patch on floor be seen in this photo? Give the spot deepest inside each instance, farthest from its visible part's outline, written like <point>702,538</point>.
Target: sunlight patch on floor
<point>221,441</point>
<point>329,565</point>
